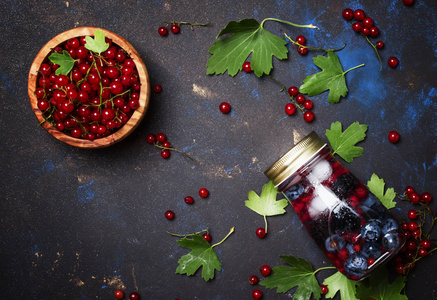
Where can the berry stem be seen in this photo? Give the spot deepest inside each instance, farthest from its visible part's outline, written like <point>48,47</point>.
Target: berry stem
<point>173,149</point>
<point>286,22</point>
<point>187,23</point>
<point>230,232</point>
<point>284,89</point>
<point>311,48</point>
<point>376,50</point>
<point>189,234</point>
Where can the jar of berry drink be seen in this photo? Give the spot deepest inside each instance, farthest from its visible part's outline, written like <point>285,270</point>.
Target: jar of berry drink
<point>348,223</point>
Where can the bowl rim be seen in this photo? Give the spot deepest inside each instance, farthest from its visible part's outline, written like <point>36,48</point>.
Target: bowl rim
<point>136,117</point>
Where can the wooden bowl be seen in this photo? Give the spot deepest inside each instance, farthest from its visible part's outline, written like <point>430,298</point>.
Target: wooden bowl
<point>123,131</point>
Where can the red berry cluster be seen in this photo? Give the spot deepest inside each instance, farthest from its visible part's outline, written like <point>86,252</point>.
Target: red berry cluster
<point>96,98</point>
<point>160,141</point>
<point>265,271</point>
<point>366,26</point>
<point>417,244</point>
<point>203,193</point>
<point>175,27</point>
<point>302,41</point>
<point>299,101</point>
<point>119,294</point>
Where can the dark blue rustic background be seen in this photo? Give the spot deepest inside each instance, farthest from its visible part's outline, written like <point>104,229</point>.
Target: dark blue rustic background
<point>77,224</point>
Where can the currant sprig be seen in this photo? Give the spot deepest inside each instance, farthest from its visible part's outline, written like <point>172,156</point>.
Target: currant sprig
<point>175,26</point>
<point>311,48</point>
<point>160,141</point>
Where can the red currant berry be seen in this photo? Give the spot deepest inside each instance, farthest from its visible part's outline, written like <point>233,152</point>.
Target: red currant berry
<point>400,269</point>
<point>426,197</point>
<point>165,153</point>
<point>348,14</point>
<point>261,233</point>
<point>374,32</point>
<point>203,192</point>
<point>411,245</point>
<point>119,294</point>
<point>302,50</point>
<point>157,88</point>
<point>308,104</point>
<point>425,244</point>
<point>225,107</point>
<point>175,28</point>
<point>189,200</point>
<point>408,2</point>
<point>300,98</point>
<point>367,22</point>
<point>265,270</point>
<point>357,26</point>
<point>161,137</point>
<point>393,62</point>
<point>412,226</point>
<point>324,289</point>
<point>293,91</point>
<point>290,108</point>
<point>414,197</point>
<point>257,294</point>
<point>409,190</point>
<point>150,138</point>
<point>166,144</point>
<point>169,215</point>
<point>365,31</point>
<point>393,137</point>
<point>359,14</point>
<point>308,116</point>
<point>379,45</point>
<point>301,39</point>
<point>207,237</point>
<point>253,279</point>
<point>162,31</point>
<point>370,261</point>
<point>412,214</point>
<point>246,67</point>
<point>422,252</point>
<point>134,296</point>
<point>43,104</point>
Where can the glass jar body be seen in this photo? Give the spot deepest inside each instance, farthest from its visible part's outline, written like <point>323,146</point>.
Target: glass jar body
<point>348,223</point>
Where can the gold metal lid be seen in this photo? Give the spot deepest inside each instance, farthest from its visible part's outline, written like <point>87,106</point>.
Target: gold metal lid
<point>295,158</point>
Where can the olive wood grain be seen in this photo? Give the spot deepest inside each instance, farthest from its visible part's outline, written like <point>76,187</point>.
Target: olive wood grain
<point>136,117</point>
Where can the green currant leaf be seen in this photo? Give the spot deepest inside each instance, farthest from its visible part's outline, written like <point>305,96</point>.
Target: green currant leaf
<point>376,187</point>
<point>343,143</point>
<point>332,78</point>
<point>64,60</point>
<point>247,36</point>
<point>266,204</point>
<point>379,287</point>
<point>300,274</point>
<point>339,282</point>
<point>202,255</point>
<point>98,43</point>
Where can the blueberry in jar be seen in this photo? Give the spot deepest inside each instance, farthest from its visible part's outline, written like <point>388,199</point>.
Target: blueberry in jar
<point>356,264</point>
<point>371,231</point>
<point>371,250</point>
<point>389,225</point>
<point>390,241</point>
<point>294,192</point>
<point>334,243</point>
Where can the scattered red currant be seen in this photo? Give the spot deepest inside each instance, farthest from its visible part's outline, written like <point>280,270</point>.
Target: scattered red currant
<point>302,50</point>
<point>165,153</point>
<point>425,244</point>
<point>257,294</point>
<point>261,233</point>
<point>308,104</point>
<point>414,197</point>
<point>161,137</point>
<point>301,39</point>
<point>379,45</point>
<point>189,200</point>
<point>203,192</point>
<point>163,31</point>
<point>394,136</point>
<point>409,190</point>
<point>300,98</point>
<point>412,214</point>
<point>408,2</point>
<point>359,14</point>
<point>265,270</point>
<point>393,62</point>
<point>175,28</point>
<point>308,116</point>
<point>290,108</point>
<point>134,296</point>
<point>169,215</point>
<point>324,289</point>
<point>426,197</point>
<point>246,67</point>
<point>157,88</point>
<point>348,14</point>
<point>119,294</point>
<point>253,279</point>
<point>225,107</point>
<point>293,91</point>
<point>150,138</point>
<point>207,237</point>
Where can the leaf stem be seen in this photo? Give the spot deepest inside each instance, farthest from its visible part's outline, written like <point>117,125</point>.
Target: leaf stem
<point>230,232</point>
<point>289,23</point>
<point>265,222</point>
<point>323,268</point>
<point>356,67</point>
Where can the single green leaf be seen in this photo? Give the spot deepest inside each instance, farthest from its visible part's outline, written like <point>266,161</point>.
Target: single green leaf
<point>376,187</point>
<point>98,43</point>
<point>202,255</point>
<point>64,60</point>
<point>379,287</point>
<point>247,36</point>
<point>266,204</point>
<point>339,282</point>
<point>343,143</point>
<point>301,274</point>
<point>330,78</point>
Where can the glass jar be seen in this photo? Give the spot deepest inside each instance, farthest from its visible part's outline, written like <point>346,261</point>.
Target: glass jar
<point>348,223</point>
